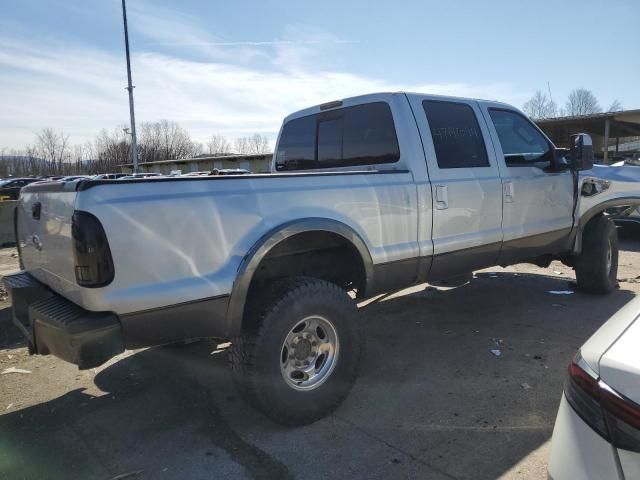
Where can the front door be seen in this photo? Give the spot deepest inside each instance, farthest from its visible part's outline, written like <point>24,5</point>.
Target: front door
<point>538,200</point>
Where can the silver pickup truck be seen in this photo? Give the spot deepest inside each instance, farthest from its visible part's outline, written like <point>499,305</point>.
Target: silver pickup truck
<point>366,195</point>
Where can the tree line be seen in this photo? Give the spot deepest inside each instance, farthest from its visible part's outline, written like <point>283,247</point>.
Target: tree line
<point>579,102</point>
<point>53,154</point>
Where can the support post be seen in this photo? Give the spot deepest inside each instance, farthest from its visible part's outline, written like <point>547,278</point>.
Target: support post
<point>134,142</point>
<point>606,138</point>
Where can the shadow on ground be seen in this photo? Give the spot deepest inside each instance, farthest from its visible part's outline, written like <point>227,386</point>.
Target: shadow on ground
<point>432,401</point>
<point>10,336</point>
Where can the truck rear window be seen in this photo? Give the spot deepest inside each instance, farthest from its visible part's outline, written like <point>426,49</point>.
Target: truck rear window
<point>359,135</point>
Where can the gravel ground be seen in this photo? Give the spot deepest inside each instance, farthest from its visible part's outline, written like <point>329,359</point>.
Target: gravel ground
<point>432,401</point>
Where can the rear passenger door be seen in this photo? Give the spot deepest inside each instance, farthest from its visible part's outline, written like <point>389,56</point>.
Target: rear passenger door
<point>465,185</point>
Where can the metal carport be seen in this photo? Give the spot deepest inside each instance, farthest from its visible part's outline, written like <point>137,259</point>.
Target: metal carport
<point>603,127</point>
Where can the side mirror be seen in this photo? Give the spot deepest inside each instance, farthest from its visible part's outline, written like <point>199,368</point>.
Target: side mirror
<point>581,152</point>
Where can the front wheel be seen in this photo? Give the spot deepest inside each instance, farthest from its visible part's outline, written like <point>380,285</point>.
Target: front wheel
<point>299,358</point>
<point>597,266</point>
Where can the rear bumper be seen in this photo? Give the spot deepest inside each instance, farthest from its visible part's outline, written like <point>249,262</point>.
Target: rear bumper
<point>54,325</point>
<point>577,451</point>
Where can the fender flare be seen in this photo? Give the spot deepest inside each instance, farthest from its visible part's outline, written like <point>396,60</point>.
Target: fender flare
<point>267,242</point>
<point>596,210</point>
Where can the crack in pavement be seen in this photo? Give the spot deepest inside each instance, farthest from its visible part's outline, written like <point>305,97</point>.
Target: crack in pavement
<point>258,463</point>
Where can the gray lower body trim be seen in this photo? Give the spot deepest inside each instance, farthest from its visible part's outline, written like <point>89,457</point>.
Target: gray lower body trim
<point>458,262</point>
<point>200,319</point>
<point>395,275</point>
<point>403,273</point>
<point>548,243</point>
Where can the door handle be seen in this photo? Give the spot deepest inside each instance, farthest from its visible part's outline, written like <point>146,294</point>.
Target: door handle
<point>442,197</point>
<point>507,190</point>
<point>35,210</point>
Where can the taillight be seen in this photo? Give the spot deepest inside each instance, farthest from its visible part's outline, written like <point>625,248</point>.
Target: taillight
<point>623,418</point>
<point>610,414</point>
<point>93,262</point>
<point>583,393</point>
<point>17,235</point>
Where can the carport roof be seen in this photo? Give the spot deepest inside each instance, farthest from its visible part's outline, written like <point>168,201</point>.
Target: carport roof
<point>625,123</point>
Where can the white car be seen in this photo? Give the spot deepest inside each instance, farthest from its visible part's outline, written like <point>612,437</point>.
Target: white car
<point>137,176</point>
<point>597,431</point>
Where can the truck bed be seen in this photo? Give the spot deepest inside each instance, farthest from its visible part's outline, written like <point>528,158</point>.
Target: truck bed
<point>175,240</point>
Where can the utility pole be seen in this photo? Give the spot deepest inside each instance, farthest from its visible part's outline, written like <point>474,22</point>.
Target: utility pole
<point>134,143</point>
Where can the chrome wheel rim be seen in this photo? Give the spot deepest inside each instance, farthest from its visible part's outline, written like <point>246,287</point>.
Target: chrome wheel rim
<point>309,353</point>
<point>609,257</point>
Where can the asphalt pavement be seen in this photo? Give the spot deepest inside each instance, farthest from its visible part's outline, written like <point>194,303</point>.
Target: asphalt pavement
<point>455,383</point>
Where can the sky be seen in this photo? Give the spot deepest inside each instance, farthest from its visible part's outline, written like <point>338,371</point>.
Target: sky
<point>238,67</point>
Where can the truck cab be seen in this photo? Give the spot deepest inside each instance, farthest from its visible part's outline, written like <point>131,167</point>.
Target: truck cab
<point>491,188</point>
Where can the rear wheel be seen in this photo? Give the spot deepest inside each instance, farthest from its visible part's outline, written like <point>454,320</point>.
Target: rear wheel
<point>597,266</point>
<point>298,359</point>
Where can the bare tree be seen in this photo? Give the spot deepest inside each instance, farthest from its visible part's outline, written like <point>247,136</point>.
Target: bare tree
<point>53,148</point>
<point>616,106</point>
<point>165,140</point>
<point>15,163</point>
<point>241,145</point>
<point>53,154</point>
<point>256,143</point>
<point>582,102</point>
<point>111,150</point>
<point>84,160</point>
<point>196,149</point>
<point>540,106</point>
<point>218,144</point>
<point>36,165</point>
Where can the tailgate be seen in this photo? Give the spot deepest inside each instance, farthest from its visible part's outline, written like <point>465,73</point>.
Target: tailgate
<point>44,219</point>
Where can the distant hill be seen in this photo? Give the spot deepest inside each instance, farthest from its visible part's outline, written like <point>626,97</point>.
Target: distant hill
<point>22,158</point>
<point>21,165</point>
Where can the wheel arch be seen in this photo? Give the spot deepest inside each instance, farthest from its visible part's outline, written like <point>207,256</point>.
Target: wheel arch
<point>276,236</point>
<point>596,210</point>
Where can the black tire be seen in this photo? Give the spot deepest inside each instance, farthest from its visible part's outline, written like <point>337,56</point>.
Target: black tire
<point>597,266</point>
<point>256,355</point>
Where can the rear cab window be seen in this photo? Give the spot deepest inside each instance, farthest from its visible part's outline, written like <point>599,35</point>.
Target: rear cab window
<point>358,135</point>
<point>456,134</point>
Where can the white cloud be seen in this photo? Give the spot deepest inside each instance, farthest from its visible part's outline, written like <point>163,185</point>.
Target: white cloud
<point>233,89</point>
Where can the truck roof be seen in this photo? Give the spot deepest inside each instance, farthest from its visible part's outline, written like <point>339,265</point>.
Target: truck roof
<point>379,96</point>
